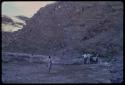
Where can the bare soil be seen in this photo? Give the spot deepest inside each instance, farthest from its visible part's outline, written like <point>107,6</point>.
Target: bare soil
<point>22,72</point>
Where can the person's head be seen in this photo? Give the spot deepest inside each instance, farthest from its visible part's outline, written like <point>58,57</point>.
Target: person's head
<point>49,56</point>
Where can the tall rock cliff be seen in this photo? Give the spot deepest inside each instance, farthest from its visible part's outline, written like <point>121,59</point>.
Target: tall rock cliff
<point>69,28</point>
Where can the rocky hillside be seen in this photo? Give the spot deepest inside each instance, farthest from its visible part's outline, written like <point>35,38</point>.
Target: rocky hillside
<point>11,24</point>
<point>24,18</point>
<point>70,28</point>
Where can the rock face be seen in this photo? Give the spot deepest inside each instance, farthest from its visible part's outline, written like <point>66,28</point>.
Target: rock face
<point>23,18</point>
<point>6,19</point>
<point>69,28</point>
<point>10,27</point>
<point>6,39</point>
<point>11,24</point>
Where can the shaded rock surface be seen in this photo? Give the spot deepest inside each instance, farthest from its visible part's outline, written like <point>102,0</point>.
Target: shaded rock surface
<point>68,28</point>
<point>10,25</point>
<point>13,23</point>
<point>6,19</point>
<point>23,18</point>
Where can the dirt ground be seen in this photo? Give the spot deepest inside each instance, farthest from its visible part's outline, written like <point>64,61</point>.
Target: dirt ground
<point>15,72</point>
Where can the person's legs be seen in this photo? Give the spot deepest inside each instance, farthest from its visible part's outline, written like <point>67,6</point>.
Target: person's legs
<point>50,66</point>
<point>96,59</point>
<point>88,59</point>
<point>91,60</point>
<point>85,60</point>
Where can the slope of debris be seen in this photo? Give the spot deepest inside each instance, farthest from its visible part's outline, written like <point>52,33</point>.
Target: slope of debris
<point>69,28</point>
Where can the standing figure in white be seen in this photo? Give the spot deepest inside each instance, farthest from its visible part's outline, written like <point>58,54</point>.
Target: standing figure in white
<point>95,59</point>
<point>86,58</point>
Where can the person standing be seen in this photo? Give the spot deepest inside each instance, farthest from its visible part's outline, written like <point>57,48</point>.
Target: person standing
<point>94,58</point>
<point>84,58</point>
<point>49,63</point>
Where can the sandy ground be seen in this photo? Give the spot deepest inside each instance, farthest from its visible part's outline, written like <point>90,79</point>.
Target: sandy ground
<point>22,72</point>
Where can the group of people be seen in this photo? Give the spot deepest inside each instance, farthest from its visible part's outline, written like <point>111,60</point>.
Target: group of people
<point>90,58</point>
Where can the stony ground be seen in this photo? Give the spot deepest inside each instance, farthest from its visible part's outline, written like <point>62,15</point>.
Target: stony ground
<point>21,70</point>
<point>117,69</point>
<point>38,73</point>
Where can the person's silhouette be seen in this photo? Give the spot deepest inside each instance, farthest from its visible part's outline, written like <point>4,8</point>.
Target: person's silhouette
<point>49,63</point>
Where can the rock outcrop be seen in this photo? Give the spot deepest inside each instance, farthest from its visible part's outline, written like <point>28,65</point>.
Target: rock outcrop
<point>69,28</point>
<point>10,27</point>
<point>11,24</point>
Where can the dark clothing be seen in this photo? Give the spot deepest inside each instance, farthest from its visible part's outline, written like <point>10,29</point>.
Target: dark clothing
<point>85,60</point>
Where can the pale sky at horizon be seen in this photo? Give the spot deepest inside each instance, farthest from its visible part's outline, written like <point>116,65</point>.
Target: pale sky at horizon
<point>26,8</point>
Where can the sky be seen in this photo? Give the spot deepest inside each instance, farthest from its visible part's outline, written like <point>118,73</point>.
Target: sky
<point>26,8</point>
